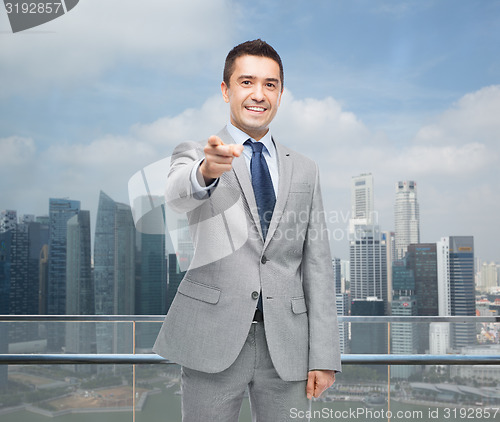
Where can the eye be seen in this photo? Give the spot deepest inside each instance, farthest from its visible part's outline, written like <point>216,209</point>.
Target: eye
<point>271,85</point>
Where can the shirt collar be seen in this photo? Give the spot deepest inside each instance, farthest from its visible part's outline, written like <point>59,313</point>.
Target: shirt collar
<point>240,137</point>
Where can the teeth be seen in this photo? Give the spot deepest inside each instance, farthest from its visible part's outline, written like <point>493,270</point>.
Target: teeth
<point>256,108</point>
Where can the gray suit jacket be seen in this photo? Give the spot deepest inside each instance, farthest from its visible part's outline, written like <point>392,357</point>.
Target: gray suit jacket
<point>211,315</point>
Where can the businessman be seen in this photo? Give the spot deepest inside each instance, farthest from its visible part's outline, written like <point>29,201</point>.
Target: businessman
<point>256,308</point>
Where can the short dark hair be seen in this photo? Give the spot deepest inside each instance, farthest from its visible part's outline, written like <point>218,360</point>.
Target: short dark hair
<point>251,48</point>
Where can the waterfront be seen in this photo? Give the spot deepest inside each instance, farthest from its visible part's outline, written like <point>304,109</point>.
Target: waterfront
<point>166,407</point>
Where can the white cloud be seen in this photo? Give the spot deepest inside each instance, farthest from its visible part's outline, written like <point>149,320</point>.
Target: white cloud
<point>457,173</point>
<point>191,124</point>
<point>98,35</point>
<point>318,122</point>
<point>16,150</point>
<point>473,118</point>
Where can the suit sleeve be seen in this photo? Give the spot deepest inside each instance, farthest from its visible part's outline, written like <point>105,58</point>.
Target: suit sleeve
<point>180,194</point>
<point>319,289</point>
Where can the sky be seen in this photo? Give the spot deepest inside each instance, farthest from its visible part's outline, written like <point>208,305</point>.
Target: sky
<point>405,90</point>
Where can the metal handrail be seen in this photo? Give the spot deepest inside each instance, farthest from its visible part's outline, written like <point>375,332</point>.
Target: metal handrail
<point>160,318</point>
<point>347,359</point>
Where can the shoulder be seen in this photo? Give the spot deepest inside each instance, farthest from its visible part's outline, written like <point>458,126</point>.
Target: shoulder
<point>304,161</point>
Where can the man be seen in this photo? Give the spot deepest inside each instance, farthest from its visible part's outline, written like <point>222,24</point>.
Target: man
<point>256,308</point>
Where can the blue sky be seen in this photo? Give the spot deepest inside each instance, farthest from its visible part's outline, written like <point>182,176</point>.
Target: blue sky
<point>402,89</point>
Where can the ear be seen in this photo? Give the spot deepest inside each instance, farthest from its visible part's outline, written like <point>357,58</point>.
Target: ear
<point>225,91</point>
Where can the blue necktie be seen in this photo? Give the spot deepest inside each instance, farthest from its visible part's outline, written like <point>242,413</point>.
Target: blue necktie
<point>264,192</point>
<point>262,186</point>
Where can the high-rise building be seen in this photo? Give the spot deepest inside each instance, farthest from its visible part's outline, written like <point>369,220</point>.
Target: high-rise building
<point>404,335</point>
<point>342,302</point>
<point>488,279</point>
<point>43,280</point>
<point>27,240</point>
<point>60,211</point>
<point>5,247</point>
<point>368,337</point>
<point>455,263</point>
<point>439,338</point>
<point>362,210</point>
<point>114,273</point>
<point>8,220</point>
<point>80,336</point>
<point>422,260</point>
<point>391,253</point>
<point>151,286</point>
<point>406,217</point>
<point>368,266</point>
<point>175,276</point>
<point>337,274</point>
<point>5,265</point>
<point>367,245</point>
<point>345,273</point>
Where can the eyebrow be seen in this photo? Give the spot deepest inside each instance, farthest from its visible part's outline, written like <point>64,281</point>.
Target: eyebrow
<point>275,80</point>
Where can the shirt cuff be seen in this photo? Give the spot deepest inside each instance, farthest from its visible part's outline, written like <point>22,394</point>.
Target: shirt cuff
<point>199,191</point>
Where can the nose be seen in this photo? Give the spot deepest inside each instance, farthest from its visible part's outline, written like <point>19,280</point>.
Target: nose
<point>258,93</point>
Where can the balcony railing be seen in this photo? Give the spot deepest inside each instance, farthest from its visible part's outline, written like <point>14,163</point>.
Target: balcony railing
<point>148,376</point>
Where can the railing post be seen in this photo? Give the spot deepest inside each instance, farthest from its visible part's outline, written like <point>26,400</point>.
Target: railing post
<point>133,372</point>
<point>388,373</point>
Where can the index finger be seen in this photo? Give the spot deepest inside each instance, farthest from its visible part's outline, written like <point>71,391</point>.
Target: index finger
<point>215,141</point>
<point>220,148</point>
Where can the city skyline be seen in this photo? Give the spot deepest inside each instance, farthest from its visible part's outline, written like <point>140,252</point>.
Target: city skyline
<point>334,217</point>
<point>403,90</point>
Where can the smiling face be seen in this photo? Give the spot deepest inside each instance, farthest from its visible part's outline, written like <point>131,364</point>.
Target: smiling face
<point>253,94</point>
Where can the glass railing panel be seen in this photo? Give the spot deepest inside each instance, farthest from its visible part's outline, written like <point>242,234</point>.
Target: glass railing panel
<point>69,392</point>
<point>75,393</point>
<point>414,392</point>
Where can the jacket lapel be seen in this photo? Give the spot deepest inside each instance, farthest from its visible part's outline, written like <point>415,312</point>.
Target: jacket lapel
<point>241,172</point>
<point>285,168</point>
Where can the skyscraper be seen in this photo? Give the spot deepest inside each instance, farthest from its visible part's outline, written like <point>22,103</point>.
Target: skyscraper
<point>488,277</point>
<point>368,267</point>
<point>114,273</point>
<point>422,260</point>
<point>5,246</point>
<point>406,217</point>
<point>26,241</point>
<point>60,211</point>
<point>175,276</point>
<point>404,335</point>
<point>368,337</point>
<point>362,210</point>
<point>456,290</point>
<point>8,219</point>
<point>80,336</point>
<point>151,286</point>
<point>367,245</point>
<point>342,302</point>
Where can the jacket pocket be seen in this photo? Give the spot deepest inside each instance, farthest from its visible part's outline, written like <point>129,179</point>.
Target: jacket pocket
<point>299,305</point>
<point>199,291</point>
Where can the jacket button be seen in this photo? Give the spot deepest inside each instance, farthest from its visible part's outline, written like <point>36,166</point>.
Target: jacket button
<point>263,259</point>
<point>255,295</point>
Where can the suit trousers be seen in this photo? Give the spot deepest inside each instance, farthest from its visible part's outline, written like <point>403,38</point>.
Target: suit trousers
<point>217,397</point>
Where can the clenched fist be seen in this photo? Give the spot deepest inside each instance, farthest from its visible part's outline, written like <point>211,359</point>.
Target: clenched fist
<point>218,158</point>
